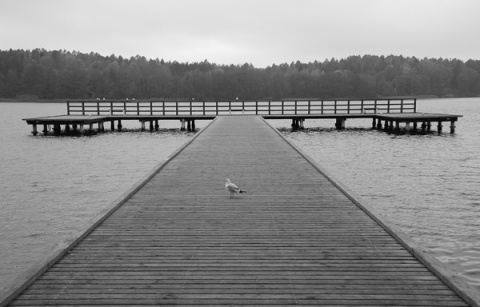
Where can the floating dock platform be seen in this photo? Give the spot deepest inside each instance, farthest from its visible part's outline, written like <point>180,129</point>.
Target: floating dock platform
<point>82,116</point>
<point>297,237</point>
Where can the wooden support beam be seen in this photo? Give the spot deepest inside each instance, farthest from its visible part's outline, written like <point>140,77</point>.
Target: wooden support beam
<point>301,127</point>
<point>182,128</point>
<point>294,124</point>
<point>56,129</point>
<point>340,123</point>
<point>34,129</point>
<point>452,127</point>
<point>386,126</point>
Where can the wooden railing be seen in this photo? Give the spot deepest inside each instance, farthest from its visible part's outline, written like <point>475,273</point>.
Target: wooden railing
<point>282,107</point>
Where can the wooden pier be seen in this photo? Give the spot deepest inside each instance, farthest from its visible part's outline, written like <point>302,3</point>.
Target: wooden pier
<point>83,115</point>
<point>297,237</point>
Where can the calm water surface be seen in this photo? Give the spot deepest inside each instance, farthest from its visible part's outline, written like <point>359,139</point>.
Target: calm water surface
<point>427,185</point>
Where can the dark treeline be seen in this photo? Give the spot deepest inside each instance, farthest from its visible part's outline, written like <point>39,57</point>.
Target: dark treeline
<point>42,74</point>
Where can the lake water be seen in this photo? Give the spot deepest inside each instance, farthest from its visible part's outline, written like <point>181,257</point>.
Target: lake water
<point>50,187</point>
<point>428,185</point>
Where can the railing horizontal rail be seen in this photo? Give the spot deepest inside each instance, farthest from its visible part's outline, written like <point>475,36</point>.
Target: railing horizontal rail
<point>277,107</point>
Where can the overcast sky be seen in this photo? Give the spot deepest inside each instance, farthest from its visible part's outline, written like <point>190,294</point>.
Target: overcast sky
<point>260,32</point>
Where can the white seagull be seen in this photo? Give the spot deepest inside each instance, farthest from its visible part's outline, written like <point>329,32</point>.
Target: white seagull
<point>232,188</point>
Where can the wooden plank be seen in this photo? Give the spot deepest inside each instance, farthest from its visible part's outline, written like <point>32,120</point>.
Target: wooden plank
<point>294,239</point>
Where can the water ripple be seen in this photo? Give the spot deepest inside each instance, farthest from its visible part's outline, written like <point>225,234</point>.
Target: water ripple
<point>426,184</point>
<point>50,187</point>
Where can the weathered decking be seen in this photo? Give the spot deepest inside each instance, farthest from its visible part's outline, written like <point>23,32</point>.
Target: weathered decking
<point>391,111</point>
<point>294,239</point>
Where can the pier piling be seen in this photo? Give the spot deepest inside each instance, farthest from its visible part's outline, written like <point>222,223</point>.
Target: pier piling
<point>34,129</point>
<point>386,110</point>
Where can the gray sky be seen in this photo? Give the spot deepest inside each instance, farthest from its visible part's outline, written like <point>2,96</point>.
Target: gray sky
<point>261,32</point>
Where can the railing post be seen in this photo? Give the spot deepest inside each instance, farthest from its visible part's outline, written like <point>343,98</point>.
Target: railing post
<point>269,107</point>
<point>388,106</point>
<point>283,107</point>
<point>111,108</point>
<point>83,107</point>
<point>151,107</point>
<point>309,107</point>
<point>295,107</point>
<point>375,106</point>
<point>191,106</point>
<point>138,108</point>
<point>321,107</point>
<point>163,107</point>
<point>414,105</point>
<point>98,108</point>
<point>243,107</point>
<point>335,108</point>
<point>401,105</point>
<point>256,107</point>
<point>125,107</point>
<point>361,107</point>
<point>204,107</point>
<point>176,107</point>
<point>348,106</point>
<point>216,107</point>
<point>68,108</point>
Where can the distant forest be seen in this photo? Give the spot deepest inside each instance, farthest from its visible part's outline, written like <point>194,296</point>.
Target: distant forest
<point>61,74</point>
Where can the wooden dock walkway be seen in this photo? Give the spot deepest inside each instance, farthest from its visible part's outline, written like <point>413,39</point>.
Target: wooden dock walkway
<point>83,115</point>
<point>294,239</point>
